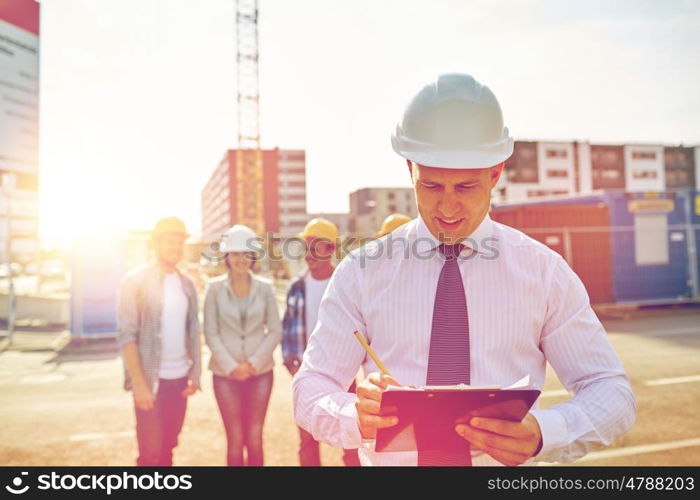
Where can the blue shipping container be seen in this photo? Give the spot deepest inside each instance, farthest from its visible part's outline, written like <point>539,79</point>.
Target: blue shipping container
<point>96,270</point>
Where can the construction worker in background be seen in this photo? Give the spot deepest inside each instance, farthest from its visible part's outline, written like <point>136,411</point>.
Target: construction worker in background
<point>526,308</point>
<point>303,301</point>
<point>392,223</point>
<point>159,340</point>
<point>242,329</point>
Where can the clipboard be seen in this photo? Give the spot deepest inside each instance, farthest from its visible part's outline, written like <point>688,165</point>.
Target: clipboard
<point>427,416</point>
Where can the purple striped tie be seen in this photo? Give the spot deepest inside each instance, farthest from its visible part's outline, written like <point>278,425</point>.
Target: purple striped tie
<point>448,362</point>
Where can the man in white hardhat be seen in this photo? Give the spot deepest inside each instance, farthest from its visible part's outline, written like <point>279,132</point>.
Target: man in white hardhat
<point>526,307</point>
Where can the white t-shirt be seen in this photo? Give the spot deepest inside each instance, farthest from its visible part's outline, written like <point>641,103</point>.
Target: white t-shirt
<point>174,362</point>
<point>314,292</point>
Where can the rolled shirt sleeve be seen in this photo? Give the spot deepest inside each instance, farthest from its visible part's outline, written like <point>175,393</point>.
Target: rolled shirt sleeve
<point>322,404</point>
<point>127,312</point>
<point>577,347</point>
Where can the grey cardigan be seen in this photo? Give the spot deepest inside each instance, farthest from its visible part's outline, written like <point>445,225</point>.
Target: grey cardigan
<point>232,342</point>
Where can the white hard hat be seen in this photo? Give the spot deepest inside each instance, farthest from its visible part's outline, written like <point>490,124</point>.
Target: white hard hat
<point>239,238</point>
<point>454,122</point>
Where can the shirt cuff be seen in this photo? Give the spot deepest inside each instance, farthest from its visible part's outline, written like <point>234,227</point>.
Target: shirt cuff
<point>352,438</point>
<point>369,444</point>
<point>125,338</point>
<point>554,433</point>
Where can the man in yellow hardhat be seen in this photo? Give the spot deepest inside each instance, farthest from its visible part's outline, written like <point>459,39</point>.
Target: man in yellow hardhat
<point>303,301</point>
<point>159,339</point>
<point>392,223</point>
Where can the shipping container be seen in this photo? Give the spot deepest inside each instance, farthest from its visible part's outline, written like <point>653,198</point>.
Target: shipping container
<point>694,246</point>
<point>577,230</point>
<point>627,247</point>
<point>97,268</point>
<point>649,246</point>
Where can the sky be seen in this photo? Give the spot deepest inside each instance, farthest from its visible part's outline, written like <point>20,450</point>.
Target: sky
<point>138,97</point>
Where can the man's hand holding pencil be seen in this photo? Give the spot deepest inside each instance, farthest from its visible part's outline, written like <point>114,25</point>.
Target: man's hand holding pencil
<point>369,398</point>
<point>369,395</point>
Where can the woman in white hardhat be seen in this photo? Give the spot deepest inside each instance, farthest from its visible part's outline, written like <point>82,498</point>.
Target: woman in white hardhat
<point>242,328</point>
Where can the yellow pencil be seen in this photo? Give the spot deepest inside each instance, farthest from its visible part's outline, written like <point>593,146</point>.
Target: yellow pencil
<point>371,353</point>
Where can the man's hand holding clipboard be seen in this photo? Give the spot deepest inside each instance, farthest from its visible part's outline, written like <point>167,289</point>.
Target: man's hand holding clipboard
<point>511,443</point>
<point>492,420</point>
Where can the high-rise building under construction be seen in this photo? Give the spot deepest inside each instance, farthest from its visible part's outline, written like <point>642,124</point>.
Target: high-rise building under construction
<point>283,193</point>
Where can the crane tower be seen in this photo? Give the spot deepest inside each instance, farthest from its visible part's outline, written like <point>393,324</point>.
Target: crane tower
<point>249,165</point>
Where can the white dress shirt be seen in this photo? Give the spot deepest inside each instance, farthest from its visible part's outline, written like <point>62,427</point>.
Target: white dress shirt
<point>526,307</point>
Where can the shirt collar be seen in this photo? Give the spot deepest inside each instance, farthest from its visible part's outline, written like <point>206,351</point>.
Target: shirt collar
<point>426,242</point>
<point>155,268</point>
<point>159,275</point>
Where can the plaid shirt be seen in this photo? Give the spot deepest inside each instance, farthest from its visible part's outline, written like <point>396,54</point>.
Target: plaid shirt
<point>139,310</point>
<point>294,334</point>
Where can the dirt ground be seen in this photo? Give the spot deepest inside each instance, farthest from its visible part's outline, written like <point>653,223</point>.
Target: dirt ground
<point>70,409</point>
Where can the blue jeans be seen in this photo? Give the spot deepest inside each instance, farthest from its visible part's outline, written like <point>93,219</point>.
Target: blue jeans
<point>157,429</point>
<point>243,405</point>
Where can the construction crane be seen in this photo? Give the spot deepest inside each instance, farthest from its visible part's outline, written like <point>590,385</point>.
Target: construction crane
<point>249,161</point>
